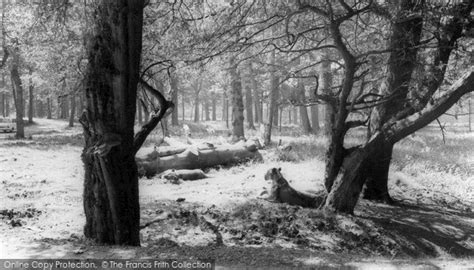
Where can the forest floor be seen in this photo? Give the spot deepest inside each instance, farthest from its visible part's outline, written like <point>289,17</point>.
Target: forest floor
<point>430,227</point>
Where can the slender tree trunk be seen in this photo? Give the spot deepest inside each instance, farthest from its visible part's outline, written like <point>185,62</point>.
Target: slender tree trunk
<point>315,118</point>
<point>3,105</point>
<point>197,90</point>
<point>50,110</point>
<point>31,100</point>
<point>17,94</point>
<point>111,179</point>
<point>289,115</point>
<point>214,107</point>
<point>7,107</point>
<point>72,115</point>
<point>206,110</point>
<point>267,136</point>
<point>248,107</point>
<point>305,125</point>
<point>237,103</point>
<point>256,97</point>
<point>184,111</point>
<point>174,98</point>
<point>295,115</point>
<point>196,109</point>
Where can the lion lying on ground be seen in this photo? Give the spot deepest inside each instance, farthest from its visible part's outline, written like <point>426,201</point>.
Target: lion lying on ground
<point>282,192</point>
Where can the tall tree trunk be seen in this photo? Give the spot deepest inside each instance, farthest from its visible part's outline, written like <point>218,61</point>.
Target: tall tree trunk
<point>174,98</point>
<point>226,110</point>
<point>405,35</point>
<point>196,108</point>
<point>347,187</point>
<point>17,94</point>
<point>111,179</point>
<point>31,100</point>
<point>315,118</point>
<point>248,107</point>
<point>206,110</point>
<point>295,115</point>
<point>272,107</point>
<point>184,111</point>
<point>276,106</point>
<point>214,108</point>
<point>256,96</point>
<point>305,125</point>
<point>40,108</point>
<point>346,169</point>
<point>237,102</point>
<point>197,90</point>
<point>3,109</point>
<point>50,110</point>
<point>72,115</point>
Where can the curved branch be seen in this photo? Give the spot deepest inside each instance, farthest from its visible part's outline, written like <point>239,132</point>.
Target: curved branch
<point>166,107</point>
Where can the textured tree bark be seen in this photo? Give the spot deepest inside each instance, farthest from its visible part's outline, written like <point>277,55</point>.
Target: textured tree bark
<point>405,36</point>
<point>199,158</point>
<point>207,110</point>
<point>237,103</point>
<point>111,178</point>
<point>305,125</point>
<point>347,186</point>
<point>17,94</point>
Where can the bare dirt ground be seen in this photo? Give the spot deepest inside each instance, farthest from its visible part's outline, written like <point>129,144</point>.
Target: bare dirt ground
<point>431,226</point>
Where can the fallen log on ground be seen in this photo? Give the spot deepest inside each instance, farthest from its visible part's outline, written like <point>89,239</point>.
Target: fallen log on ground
<point>185,175</point>
<point>282,192</point>
<point>195,158</point>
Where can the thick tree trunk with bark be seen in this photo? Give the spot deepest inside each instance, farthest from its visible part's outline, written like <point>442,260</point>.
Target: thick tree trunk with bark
<point>405,36</point>
<point>17,93</point>
<point>347,186</point>
<point>237,103</point>
<point>111,178</point>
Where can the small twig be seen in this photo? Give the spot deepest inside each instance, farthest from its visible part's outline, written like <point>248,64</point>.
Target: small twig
<point>442,128</point>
